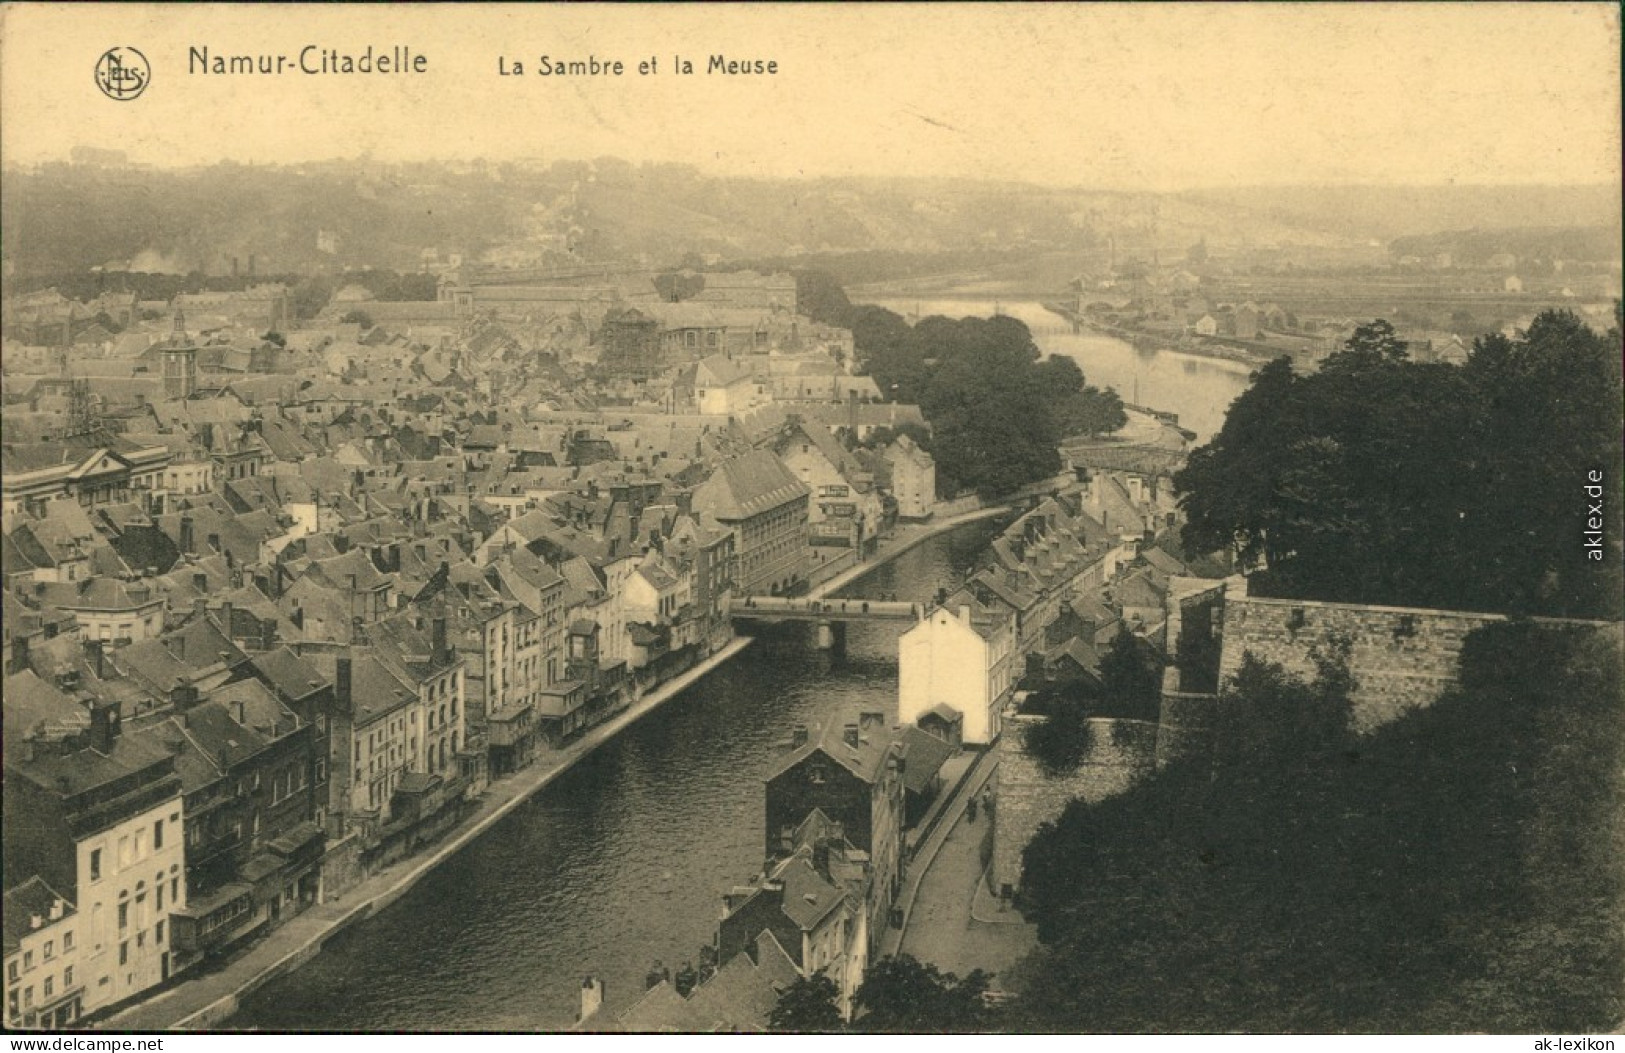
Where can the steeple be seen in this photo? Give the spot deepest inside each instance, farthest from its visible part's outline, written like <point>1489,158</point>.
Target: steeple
<point>178,336</point>
<point>180,361</point>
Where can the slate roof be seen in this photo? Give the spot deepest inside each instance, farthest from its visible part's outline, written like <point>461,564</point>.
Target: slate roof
<point>866,760</point>
<point>291,675</point>
<point>924,755</point>
<point>32,898</point>
<point>747,486</point>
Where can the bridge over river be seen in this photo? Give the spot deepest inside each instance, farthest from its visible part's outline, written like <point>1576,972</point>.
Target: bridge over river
<point>830,615</point>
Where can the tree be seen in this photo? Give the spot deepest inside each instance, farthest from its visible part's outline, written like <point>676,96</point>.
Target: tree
<point>358,317</point>
<point>677,286</point>
<point>820,297</point>
<point>1373,342</point>
<point>1442,873</point>
<point>1131,683</point>
<point>1061,740</point>
<point>903,995</point>
<point>807,1006</point>
<point>1383,480</point>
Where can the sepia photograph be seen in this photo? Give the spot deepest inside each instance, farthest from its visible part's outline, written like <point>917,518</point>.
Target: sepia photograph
<point>857,519</point>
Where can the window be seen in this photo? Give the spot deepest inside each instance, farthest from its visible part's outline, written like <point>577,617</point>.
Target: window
<point>175,889</point>
<point>50,986</point>
<point>11,971</point>
<point>67,977</point>
<point>50,949</point>
<point>123,916</point>
<point>158,933</point>
<point>157,835</point>
<point>28,960</point>
<point>67,941</point>
<point>28,997</point>
<point>124,953</point>
<point>159,904</point>
<point>95,864</point>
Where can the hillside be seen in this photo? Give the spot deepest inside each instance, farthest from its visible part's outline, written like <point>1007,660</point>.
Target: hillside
<point>1460,870</point>
<point>59,219</point>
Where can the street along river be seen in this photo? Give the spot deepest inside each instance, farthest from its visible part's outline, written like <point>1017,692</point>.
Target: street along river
<point>621,861</point>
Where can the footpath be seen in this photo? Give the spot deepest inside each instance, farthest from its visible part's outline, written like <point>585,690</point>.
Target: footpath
<point>971,783</point>
<point>206,1000</point>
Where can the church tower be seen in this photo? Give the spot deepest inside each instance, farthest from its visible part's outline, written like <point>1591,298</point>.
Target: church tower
<point>180,361</point>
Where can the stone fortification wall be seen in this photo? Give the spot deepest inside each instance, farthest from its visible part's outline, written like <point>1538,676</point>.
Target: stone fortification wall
<point>1184,721</point>
<point>1401,657</point>
<point>1121,752</point>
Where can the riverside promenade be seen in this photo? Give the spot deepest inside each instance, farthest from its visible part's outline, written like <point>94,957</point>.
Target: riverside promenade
<point>207,999</point>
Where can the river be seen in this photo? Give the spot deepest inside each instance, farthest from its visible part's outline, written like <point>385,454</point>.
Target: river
<point>1199,389</point>
<point>621,861</point>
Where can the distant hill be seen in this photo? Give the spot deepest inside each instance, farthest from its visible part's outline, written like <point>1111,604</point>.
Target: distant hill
<point>61,219</point>
<point>1475,247</point>
<point>1387,212</point>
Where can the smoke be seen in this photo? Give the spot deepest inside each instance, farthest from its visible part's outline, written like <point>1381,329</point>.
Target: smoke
<point>151,261</point>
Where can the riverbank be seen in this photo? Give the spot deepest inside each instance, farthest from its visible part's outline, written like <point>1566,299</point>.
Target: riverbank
<point>1251,354</point>
<point>207,1000</point>
<point>903,538</point>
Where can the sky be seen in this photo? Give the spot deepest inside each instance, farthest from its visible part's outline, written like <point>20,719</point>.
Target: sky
<point>1141,96</point>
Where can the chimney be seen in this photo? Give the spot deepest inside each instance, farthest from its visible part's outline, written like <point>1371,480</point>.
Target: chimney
<point>871,718</point>
<point>95,657</point>
<point>341,680</point>
<point>297,617</point>
<point>238,712</point>
<point>849,735</point>
<point>200,582</point>
<point>798,737</point>
<point>104,726</point>
<point>441,654</point>
<point>225,617</point>
<point>184,697</point>
<point>964,614</point>
<point>57,909</point>
<point>188,541</point>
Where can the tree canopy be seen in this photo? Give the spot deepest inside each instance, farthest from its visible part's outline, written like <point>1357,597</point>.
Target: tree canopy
<point>1448,872</point>
<point>998,410</point>
<point>807,1006</point>
<point>904,995</point>
<point>1383,480</point>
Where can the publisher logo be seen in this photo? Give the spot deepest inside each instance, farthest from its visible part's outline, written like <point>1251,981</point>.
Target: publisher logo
<point>122,73</point>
